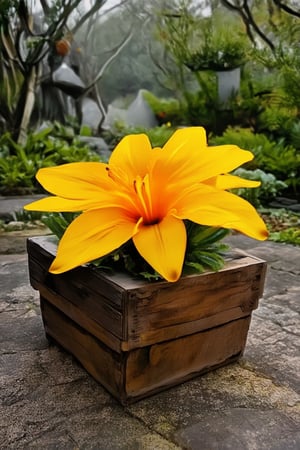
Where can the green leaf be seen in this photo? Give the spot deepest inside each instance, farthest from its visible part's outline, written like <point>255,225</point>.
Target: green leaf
<point>85,130</point>
<point>58,222</point>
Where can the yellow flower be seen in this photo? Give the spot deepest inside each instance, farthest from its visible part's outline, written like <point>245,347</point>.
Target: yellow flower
<point>144,194</point>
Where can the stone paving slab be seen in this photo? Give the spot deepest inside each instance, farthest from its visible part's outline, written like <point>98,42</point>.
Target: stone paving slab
<point>48,401</point>
<point>10,205</point>
<point>223,430</point>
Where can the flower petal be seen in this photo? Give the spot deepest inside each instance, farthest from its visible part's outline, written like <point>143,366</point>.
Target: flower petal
<point>222,159</point>
<point>180,155</point>
<point>75,180</point>
<point>132,154</point>
<point>184,141</point>
<point>93,234</point>
<point>59,204</point>
<point>187,159</point>
<point>221,209</point>
<point>163,246</point>
<point>231,182</point>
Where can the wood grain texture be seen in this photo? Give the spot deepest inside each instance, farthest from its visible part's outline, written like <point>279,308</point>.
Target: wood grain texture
<point>167,363</point>
<point>101,362</point>
<point>157,312</point>
<point>137,338</point>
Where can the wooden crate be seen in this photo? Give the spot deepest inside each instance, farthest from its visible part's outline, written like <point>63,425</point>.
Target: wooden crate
<point>137,338</point>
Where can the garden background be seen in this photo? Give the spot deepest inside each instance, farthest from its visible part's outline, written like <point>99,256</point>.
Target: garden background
<point>76,76</point>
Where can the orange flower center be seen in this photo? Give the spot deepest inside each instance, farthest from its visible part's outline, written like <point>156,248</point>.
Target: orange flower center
<point>139,196</point>
<point>146,205</point>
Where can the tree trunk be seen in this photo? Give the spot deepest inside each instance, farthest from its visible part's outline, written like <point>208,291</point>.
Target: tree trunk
<point>25,116</point>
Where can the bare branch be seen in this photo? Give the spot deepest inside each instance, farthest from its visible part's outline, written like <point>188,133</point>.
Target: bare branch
<point>271,11</point>
<point>28,107</point>
<point>100,104</point>
<point>286,8</point>
<point>155,60</point>
<point>45,6</point>
<point>95,8</point>
<point>108,62</point>
<point>121,3</point>
<point>229,5</point>
<point>256,27</point>
<point>249,21</point>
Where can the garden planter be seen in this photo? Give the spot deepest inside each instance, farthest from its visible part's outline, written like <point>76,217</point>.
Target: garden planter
<point>228,84</point>
<point>138,338</point>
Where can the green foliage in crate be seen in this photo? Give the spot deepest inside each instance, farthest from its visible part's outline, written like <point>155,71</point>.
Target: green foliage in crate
<point>204,250</point>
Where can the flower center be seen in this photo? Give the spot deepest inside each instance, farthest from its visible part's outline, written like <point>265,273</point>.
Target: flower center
<point>143,201</point>
<point>118,175</point>
<point>146,204</point>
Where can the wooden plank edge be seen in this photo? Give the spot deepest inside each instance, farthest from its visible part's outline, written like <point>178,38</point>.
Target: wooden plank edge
<point>183,329</point>
<point>75,314</point>
<point>107,370</point>
<point>127,400</point>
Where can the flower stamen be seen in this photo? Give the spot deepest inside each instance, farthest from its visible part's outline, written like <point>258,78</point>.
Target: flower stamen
<point>145,200</point>
<point>118,176</point>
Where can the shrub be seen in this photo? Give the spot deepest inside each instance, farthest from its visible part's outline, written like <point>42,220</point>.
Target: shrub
<point>158,135</point>
<point>283,225</point>
<point>19,164</point>
<point>270,156</point>
<point>270,187</point>
<point>165,109</point>
<point>276,121</point>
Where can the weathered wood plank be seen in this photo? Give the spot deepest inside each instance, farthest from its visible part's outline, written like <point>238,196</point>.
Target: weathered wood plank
<point>194,303</point>
<point>150,368</point>
<point>101,362</point>
<point>43,249</point>
<point>85,320</point>
<point>184,329</point>
<point>130,376</point>
<point>91,311</point>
